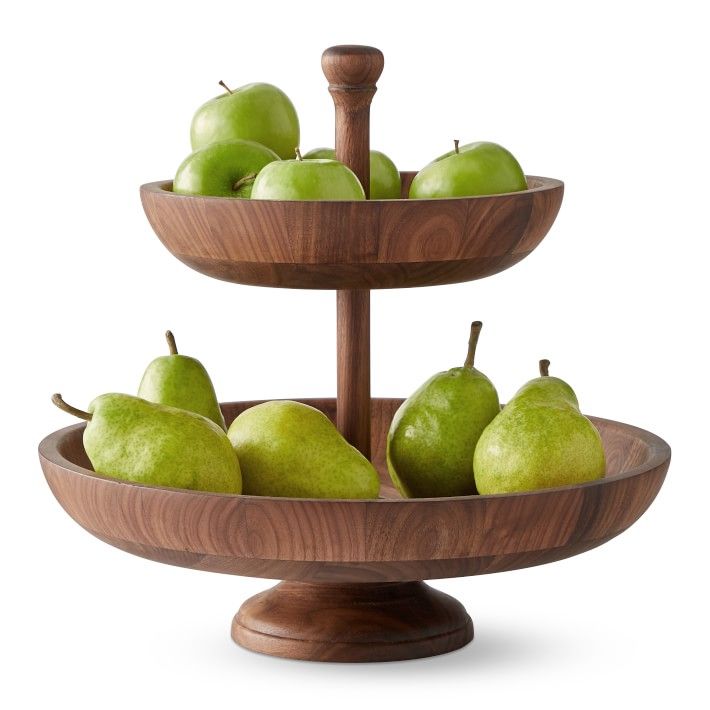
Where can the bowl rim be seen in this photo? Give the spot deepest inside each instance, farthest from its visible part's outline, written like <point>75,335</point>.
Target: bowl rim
<point>164,188</point>
<point>659,455</point>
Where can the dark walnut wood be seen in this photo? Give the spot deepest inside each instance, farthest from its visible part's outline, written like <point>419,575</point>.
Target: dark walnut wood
<point>352,65</point>
<point>339,555</point>
<point>352,622</point>
<point>366,244</point>
<point>352,72</point>
<point>359,541</point>
<point>353,332</point>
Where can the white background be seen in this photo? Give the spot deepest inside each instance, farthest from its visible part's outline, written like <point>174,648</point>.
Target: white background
<point>610,97</point>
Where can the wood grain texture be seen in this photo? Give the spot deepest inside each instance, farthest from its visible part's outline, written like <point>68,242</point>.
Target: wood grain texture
<point>352,622</point>
<point>352,72</point>
<point>359,541</point>
<point>359,244</point>
<point>353,333</point>
<point>352,66</point>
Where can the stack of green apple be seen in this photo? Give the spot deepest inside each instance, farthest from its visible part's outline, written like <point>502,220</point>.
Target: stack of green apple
<point>173,434</point>
<point>245,144</point>
<point>451,437</point>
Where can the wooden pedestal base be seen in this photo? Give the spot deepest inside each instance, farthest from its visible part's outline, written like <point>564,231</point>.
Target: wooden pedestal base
<point>352,622</point>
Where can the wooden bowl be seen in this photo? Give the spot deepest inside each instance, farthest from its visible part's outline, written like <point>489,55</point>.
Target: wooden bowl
<point>353,245</point>
<point>355,565</point>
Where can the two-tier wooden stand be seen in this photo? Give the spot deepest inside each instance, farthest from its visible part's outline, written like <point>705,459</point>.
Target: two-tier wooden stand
<point>354,567</point>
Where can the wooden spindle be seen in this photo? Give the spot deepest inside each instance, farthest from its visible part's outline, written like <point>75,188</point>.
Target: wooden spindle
<point>352,72</point>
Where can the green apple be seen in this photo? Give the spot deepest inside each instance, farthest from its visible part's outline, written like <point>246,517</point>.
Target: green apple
<point>301,179</point>
<point>255,112</point>
<point>474,169</point>
<point>226,169</point>
<point>385,182</point>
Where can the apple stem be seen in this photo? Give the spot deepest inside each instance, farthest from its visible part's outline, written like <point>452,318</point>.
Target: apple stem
<point>224,86</point>
<point>244,181</point>
<point>456,146</point>
<point>544,368</point>
<point>298,154</point>
<point>171,342</point>
<point>473,342</point>
<point>59,402</point>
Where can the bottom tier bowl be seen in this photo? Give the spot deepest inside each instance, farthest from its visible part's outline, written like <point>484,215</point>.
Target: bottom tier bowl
<point>354,567</point>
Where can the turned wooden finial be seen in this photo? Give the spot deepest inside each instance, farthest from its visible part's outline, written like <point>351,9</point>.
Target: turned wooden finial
<point>352,71</point>
<point>352,66</point>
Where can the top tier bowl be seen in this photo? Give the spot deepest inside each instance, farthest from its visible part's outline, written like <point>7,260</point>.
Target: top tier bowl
<point>351,245</point>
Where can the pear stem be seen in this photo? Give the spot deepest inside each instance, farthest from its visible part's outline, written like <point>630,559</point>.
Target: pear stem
<point>171,342</point>
<point>298,154</point>
<point>59,402</point>
<point>456,146</point>
<point>473,342</point>
<point>544,368</point>
<point>224,86</point>
<point>244,181</point>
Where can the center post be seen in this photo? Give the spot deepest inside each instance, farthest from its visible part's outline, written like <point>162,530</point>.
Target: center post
<point>352,72</point>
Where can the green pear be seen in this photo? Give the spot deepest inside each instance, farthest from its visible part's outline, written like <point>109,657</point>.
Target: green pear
<point>434,433</point>
<point>539,440</point>
<point>181,381</point>
<point>293,450</point>
<point>135,440</point>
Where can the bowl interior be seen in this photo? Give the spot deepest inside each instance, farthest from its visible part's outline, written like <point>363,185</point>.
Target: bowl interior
<point>625,447</point>
<point>535,182</point>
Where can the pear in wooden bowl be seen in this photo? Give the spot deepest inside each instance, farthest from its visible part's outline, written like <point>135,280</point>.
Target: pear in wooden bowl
<point>354,567</point>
